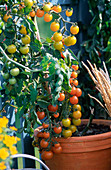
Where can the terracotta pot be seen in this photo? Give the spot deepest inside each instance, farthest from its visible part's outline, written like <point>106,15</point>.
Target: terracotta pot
<point>84,153</point>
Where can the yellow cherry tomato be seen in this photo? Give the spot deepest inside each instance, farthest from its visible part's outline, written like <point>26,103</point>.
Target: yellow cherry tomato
<point>69,12</point>
<point>57,36</point>
<point>24,50</point>
<point>11,48</point>
<point>58,45</point>
<point>54,26</point>
<point>67,133</point>
<point>66,122</point>
<point>76,122</point>
<point>28,3</point>
<point>26,39</point>
<point>6,17</point>
<point>46,7</point>
<point>73,128</point>
<point>74,29</point>
<point>23,30</point>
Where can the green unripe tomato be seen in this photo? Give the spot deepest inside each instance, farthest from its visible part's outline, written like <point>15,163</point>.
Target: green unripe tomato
<point>15,71</point>
<point>12,81</point>
<point>5,75</point>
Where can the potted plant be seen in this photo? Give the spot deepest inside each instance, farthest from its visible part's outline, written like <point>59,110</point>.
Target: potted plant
<point>40,78</point>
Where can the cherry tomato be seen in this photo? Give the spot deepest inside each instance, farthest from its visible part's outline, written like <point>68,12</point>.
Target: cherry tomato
<point>54,26</point>
<point>24,49</point>
<point>40,13</point>
<point>73,100</point>
<point>48,17</point>
<point>11,48</point>
<point>32,13</point>
<point>57,36</point>
<point>66,122</point>
<point>74,29</point>
<point>75,67</point>
<point>76,122</point>
<point>61,96</point>
<point>46,155</point>
<point>56,145</point>
<point>15,71</point>
<point>5,75</point>
<point>75,82</point>
<point>57,149</point>
<point>77,107</point>
<point>73,128</point>
<point>73,91</point>
<point>57,8</point>
<point>26,39</point>
<point>28,3</point>
<point>23,30</point>
<point>41,115</point>
<point>52,108</point>
<point>12,81</point>
<point>45,125</point>
<point>69,12</point>
<point>58,129</point>
<point>72,40</point>
<point>46,7</point>
<point>56,115</point>
<point>74,74</point>
<point>6,17</point>
<point>67,133</point>
<point>46,135</point>
<point>58,45</point>
<point>77,114</point>
<point>40,135</point>
<point>78,92</point>
<point>44,143</point>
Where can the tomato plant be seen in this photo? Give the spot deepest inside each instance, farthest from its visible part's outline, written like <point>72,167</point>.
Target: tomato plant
<point>37,71</point>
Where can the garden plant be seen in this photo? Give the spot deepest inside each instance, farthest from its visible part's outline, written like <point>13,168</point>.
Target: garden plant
<point>40,75</point>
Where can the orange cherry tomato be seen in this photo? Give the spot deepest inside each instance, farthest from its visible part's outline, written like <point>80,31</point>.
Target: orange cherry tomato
<point>52,108</point>
<point>57,149</point>
<point>46,155</point>
<point>73,91</point>
<point>56,115</point>
<point>48,17</point>
<point>75,67</point>
<point>39,13</point>
<point>57,8</point>
<point>58,129</point>
<point>56,145</point>
<point>40,115</point>
<point>74,74</point>
<point>69,12</point>
<point>45,125</point>
<point>74,29</point>
<point>78,92</point>
<point>77,114</point>
<point>61,96</point>
<point>32,13</point>
<point>46,135</point>
<point>44,143</point>
<point>40,134</point>
<point>54,26</point>
<point>73,100</point>
<point>75,82</point>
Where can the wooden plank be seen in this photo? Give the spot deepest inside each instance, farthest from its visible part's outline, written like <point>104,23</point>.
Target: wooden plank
<point>37,155</point>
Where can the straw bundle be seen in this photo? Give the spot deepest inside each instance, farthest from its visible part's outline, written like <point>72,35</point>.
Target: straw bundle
<point>103,84</point>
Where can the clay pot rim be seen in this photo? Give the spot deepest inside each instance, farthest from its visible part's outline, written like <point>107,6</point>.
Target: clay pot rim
<point>103,136</point>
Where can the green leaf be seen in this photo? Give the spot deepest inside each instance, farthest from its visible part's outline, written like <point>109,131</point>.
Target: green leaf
<point>33,95</point>
<point>42,103</point>
<point>73,54</point>
<point>27,9</point>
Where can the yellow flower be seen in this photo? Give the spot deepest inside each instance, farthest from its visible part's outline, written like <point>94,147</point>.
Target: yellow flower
<point>2,165</point>
<point>9,140</point>
<point>4,153</point>
<point>13,128</point>
<point>0,130</point>
<point>13,150</point>
<point>3,122</point>
<point>1,137</point>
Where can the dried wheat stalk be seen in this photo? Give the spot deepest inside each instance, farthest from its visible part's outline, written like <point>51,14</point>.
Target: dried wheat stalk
<point>103,84</point>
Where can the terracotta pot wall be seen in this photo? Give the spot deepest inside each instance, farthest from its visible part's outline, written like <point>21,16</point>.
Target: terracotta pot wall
<point>84,153</point>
